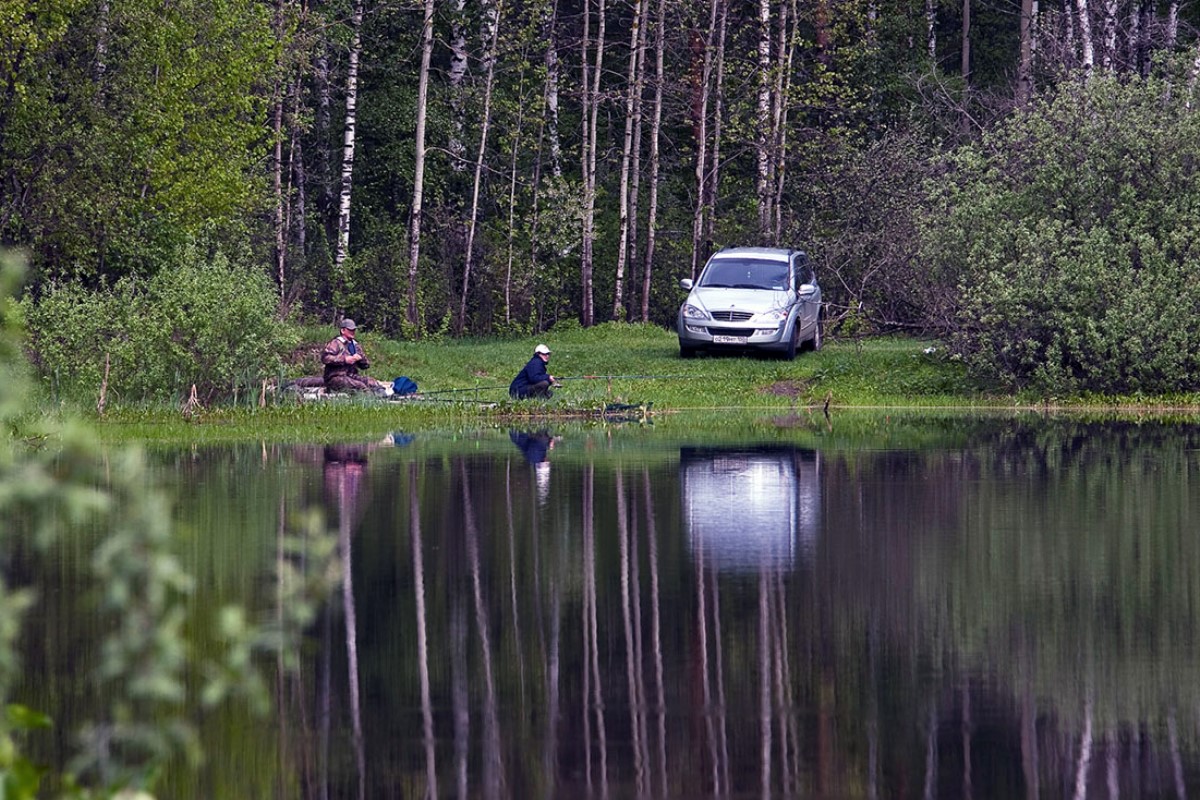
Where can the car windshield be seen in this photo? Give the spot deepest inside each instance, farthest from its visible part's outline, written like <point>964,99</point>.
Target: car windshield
<point>744,273</point>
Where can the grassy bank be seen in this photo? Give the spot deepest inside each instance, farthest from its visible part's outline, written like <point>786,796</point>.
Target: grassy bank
<point>464,384</point>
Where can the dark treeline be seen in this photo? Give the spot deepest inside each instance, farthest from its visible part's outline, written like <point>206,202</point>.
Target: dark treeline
<point>493,167</point>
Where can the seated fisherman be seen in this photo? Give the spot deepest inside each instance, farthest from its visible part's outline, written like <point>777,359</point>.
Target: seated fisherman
<point>533,380</point>
<point>343,357</point>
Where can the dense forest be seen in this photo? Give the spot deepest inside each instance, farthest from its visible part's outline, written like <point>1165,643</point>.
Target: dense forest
<point>491,167</point>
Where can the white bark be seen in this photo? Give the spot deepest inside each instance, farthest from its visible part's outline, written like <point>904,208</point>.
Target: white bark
<point>762,188</point>
<point>1025,63</point>
<point>1110,35</point>
<point>931,30</point>
<point>491,26</point>
<point>455,78</point>
<point>552,80</point>
<point>701,127</point>
<point>712,180</point>
<point>633,83</point>
<point>655,131</point>
<point>1088,51</point>
<point>414,237</point>
<point>591,112</point>
<point>351,125</point>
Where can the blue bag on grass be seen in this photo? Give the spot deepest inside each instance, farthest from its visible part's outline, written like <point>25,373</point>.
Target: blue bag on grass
<point>404,385</point>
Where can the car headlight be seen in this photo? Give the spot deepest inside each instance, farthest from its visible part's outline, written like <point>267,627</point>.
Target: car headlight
<point>775,316</point>
<point>694,312</point>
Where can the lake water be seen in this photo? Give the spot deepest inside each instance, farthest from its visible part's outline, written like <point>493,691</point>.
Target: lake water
<point>894,607</point>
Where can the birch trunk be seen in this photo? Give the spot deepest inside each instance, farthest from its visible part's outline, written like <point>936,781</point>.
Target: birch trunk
<point>633,83</point>
<point>552,81</point>
<point>965,62</point>
<point>1085,36</point>
<point>701,135</point>
<point>414,234</point>
<point>592,122</point>
<point>712,182</point>
<point>1025,64</point>
<point>491,17</point>
<point>351,126</point>
<point>655,131</point>
<point>277,153</point>
<point>931,30</point>
<point>1110,35</point>
<point>779,119</point>
<point>762,187</point>
<point>455,78</point>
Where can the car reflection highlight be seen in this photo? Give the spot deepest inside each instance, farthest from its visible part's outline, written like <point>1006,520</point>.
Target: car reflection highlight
<point>750,509</point>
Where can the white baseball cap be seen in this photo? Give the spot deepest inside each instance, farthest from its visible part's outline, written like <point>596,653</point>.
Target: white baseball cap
<point>541,348</point>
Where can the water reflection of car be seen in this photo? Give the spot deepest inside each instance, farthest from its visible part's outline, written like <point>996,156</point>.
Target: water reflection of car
<point>750,509</point>
<point>752,297</point>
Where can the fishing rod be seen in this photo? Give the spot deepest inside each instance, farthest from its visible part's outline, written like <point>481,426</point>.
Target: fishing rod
<point>620,377</point>
<point>559,380</point>
<point>465,389</point>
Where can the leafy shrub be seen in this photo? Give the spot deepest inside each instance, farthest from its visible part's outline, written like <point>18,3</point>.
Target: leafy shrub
<point>1068,239</point>
<point>206,321</point>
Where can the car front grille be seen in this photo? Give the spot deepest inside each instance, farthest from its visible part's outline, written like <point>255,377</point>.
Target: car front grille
<point>731,316</point>
<point>731,331</point>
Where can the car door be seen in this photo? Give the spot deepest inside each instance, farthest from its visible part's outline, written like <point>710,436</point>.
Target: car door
<point>801,274</point>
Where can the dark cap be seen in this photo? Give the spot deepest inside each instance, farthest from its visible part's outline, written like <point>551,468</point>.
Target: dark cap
<point>348,324</point>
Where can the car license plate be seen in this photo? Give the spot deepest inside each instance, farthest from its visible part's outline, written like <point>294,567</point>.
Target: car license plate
<point>729,339</point>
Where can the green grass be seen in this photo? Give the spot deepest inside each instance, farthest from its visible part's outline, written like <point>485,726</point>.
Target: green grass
<point>465,384</point>
<point>887,372</point>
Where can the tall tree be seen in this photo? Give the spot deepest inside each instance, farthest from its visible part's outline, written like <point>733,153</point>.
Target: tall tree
<point>763,118</point>
<point>700,103</point>
<point>491,24</point>
<point>591,123</point>
<point>655,132</point>
<point>633,88</point>
<point>414,230</point>
<point>349,129</point>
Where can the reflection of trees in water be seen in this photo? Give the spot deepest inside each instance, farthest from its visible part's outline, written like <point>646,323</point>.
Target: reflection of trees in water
<point>914,654</point>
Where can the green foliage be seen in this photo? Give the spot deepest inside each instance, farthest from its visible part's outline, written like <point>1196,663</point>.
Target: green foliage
<point>131,127</point>
<point>1069,238</point>
<point>55,484</point>
<point>207,321</point>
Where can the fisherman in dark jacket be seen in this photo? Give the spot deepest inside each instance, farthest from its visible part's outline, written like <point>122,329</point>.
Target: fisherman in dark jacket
<point>534,380</point>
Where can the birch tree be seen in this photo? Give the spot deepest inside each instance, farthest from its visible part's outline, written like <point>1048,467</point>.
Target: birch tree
<point>414,231</point>
<point>591,121</point>
<point>456,77</point>
<point>348,133</point>
<point>655,131</point>
<point>1025,63</point>
<point>491,24</point>
<point>762,186</point>
<point>1086,44</point>
<point>700,127</point>
<point>633,87</point>
<point>550,61</point>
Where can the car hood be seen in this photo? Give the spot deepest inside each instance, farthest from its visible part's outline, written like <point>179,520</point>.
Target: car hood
<point>755,301</point>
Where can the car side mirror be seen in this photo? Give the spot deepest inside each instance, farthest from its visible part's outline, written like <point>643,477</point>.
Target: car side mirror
<point>806,290</point>
<point>686,283</point>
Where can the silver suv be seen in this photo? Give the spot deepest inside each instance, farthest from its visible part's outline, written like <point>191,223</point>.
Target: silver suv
<point>752,297</point>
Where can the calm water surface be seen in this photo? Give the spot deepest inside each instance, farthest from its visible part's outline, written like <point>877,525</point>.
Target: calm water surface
<point>953,608</point>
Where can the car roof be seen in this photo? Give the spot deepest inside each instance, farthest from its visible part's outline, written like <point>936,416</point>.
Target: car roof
<point>764,253</point>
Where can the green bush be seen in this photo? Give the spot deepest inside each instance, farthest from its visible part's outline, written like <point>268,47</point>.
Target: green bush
<point>206,321</point>
<point>1069,241</point>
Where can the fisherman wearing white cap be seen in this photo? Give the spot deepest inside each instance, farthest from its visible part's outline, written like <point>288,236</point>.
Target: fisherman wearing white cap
<point>534,380</point>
